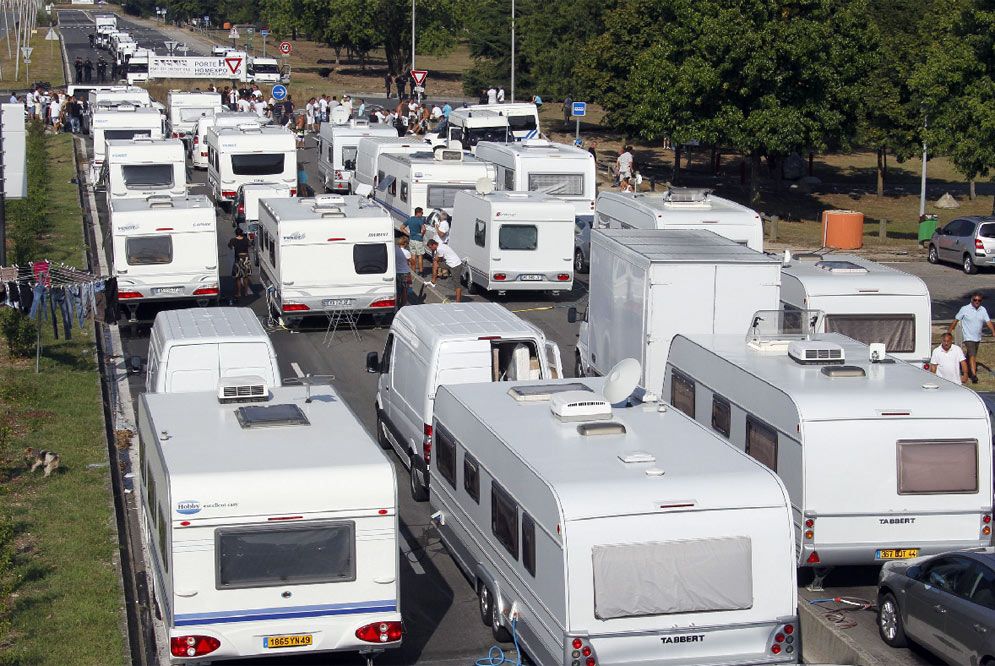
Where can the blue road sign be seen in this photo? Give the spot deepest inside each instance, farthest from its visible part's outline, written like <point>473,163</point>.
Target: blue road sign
<point>207,19</point>
<point>264,32</point>
<point>580,108</point>
<point>279,92</point>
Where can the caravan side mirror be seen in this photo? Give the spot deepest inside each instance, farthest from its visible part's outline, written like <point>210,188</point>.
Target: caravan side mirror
<point>572,315</point>
<point>372,362</point>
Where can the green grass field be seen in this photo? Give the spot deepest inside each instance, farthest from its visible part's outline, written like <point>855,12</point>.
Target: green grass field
<point>46,62</point>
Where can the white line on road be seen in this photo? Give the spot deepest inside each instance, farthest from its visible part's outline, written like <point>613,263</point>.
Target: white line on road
<point>410,555</point>
<point>297,369</point>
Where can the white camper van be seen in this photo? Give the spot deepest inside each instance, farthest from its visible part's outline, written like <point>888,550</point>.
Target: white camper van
<point>468,127</point>
<point>337,150</point>
<point>862,299</point>
<point>186,108</point>
<point>523,118</point>
<point>193,348</point>
<point>262,70</point>
<point>117,95</point>
<point>448,343</point>
<point>426,180</point>
<point>246,208</point>
<point>680,208</point>
<point>612,535</point>
<point>882,460</point>
<point>565,171</point>
<point>271,526</point>
<point>125,122</point>
<point>326,253</point>
<point>137,70</point>
<point>368,153</point>
<point>249,153</point>
<point>198,147</point>
<point>514,241</point>
<point>122,45</point>
<point>140,168</point>
<point>165,250</point>
<point>647,286</point>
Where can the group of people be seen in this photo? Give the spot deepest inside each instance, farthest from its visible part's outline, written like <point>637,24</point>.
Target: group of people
<point>399,82</point>
<point>84,70</point>
<point>949,360</point>
<point>54,108</point>
<point>417,239</point>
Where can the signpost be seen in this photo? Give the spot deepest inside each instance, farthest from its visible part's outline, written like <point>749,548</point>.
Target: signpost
<point>578,110</point>
<point>285,48</point>
<point>171,46</point>
<point>264,32</point>
<point>26,53</point>
<point>52,36</point>
<point>233,35</point>
<point>418,75</point>
<point>279,92</point>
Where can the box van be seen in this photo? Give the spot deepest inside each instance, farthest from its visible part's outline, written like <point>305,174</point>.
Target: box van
<point>447,343</point>
<point>246,208</point>
<point>124,122</point>
<point>249,153</point>
<point>467,127</point>
<point>864,300</point>
<point>514,241</point>
<point>882,460</point>
<point>426,180</point>
<point>626,535</point>
<point>165,249</point>
<point>337,148</point>
<point>104,20</point>
<point>647,286</point>
<point>327,253</point>
<point>262,70</point>
<point>198,149</point>
<point>140,168</point>
<point>271,526</point>
<point>185,108</point>
<point>138,66</point>
<point>523,118</point>
<point>680,208</point>
<point>193,348</point>
<point>537,165</point>
<point>368,153</point>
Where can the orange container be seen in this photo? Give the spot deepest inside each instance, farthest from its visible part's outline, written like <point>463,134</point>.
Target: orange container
<point>842,229</point>
<point>227,25</point>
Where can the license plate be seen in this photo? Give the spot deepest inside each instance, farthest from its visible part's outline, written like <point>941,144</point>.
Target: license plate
<point>530,277</point>
<point>287,641</point>
<point>897,553</point>
<point>337,301</point>
<point>168,290</point>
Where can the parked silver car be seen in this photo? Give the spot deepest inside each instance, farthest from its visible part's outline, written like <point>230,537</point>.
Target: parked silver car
<point>968,241</point>
<point>582,243</point>
<point>946,603</point>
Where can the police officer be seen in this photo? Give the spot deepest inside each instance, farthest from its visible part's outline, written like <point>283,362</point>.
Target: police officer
<point>101,69</point>
<point>88,70</point>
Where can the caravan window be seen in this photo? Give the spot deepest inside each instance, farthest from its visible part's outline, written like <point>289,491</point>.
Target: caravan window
<point>557,184</point>
<point>480,233</point>
<point>257,164</point>
<point>189,115</point>
<point>148,250</point>
<point>937,467</point>
<point>404,190</point>
<point>471,477</point>
<point>331,154</point>
<point>897,332</point>
<point>443,196</point>
<point>127,134</point>
<point>529,544</point>
<point>163,526</point>
<point>370,258</point>
<point>721,415</point>
<point>682,393</point>
<point>348,157</point>
<point>761,442</point>
<point>272,251</point>
<point>263,556</point>
<point>504,519</point>
<point>445,454</point>
<point>509,179</point>
<point>147,176</point>
<point>518,237</point>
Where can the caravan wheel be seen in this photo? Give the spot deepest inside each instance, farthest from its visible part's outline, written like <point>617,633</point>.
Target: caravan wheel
<point>501,635</point>
<point>485,605</point>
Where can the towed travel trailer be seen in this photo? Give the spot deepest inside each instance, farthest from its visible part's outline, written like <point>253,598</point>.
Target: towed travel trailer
<point>631,535</point>
<point>165,250</point>
<point>680,208</point>
<point>647,286</point>
<point>864,300</point>
<point>184,108</point>
<point>249,153</point>
<point>367,159</point>
<point>448,343</point>
<point>325,254</point>
<point>565,171</point>
<point>270,523</point>
<point>882,460</point>
<point>513,241</point>
<point>198,147</point>
<point>337,150</point>
<point>124,122</point>
<point>140,168</point>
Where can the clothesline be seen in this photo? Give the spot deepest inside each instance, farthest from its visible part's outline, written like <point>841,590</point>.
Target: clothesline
<point>48,273</point>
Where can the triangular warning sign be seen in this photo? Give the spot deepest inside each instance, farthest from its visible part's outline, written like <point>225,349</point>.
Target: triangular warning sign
<point>419,75</point>
<point>233,64</point>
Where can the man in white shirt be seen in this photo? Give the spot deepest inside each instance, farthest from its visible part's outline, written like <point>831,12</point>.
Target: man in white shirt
<point>244,106</point>
<point>492,95</point>
<point>260,108</point>
<point>347,103</point>
<point>323,109</point>
<point>948,361</point>
<point>55,115</point>
<point>453,263</point>
<point>442,227</point>
<point>972,317</point>
<point>500,95</point>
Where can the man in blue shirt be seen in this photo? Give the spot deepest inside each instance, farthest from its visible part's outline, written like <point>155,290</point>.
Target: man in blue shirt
<point>414,229</point>
<point>972,317</point>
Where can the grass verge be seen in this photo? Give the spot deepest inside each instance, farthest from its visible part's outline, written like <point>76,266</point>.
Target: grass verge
<point>46,61</point>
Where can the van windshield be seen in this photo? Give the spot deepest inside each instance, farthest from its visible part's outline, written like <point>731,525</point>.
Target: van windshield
<point>474,136</point>
<point>257,164</point>
<point>147,176</point>
<point>138,68</point>
<point>266,68</point>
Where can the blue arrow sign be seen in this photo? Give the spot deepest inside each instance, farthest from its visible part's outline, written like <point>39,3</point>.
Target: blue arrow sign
<point>279,92</point>
<point>580,108</point>
<point>264,32</point>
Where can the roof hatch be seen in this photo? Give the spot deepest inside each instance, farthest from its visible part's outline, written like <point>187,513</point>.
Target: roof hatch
<point>270,416</point>
<point>543,392</point>
<point>840,267</point>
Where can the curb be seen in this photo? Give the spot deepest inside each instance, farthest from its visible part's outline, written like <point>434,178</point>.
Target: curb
<point>821,644</point>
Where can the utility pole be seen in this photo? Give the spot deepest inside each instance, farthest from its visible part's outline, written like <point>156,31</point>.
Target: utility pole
<point>922,192</point>
<point>412,34</point>
<point>512,51</point>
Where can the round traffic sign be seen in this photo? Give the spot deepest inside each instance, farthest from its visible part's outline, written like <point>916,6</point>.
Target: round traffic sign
<point>279,92</point>
<point>285,48</point>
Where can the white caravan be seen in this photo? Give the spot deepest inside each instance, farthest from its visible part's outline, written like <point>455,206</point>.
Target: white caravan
<point>262,70</point>
<point>115,95</point>
<point>612,535</point>
<point>185,108</point>
<point>367,160</point>
<point>680,208</point>
<point>122,122</point>
<point>198,147</point>
<point>514,241</point>
<point>249,153</point>
<point>882,460</point>
<point>191,349</point>
<point>426,180</point>
<point>565,171</point>
<point>246,207</point>
<point>647,286</point>
<point>337,150</point>
<point>862,299</point>
<point>325,254</point>
<point>271,527</point>
<point>140,168</point>
<point>448,343</point>
<point>164,250</point>
<point>467,127</point>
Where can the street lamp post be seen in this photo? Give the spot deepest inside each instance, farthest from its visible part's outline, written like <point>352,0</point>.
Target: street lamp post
<point>512,51</point>
<point>922,191</point>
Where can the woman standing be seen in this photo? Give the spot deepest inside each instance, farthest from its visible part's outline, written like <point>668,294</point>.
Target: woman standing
<point>241,267</point>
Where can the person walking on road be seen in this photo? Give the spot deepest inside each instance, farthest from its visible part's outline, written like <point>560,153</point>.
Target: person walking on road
<point>241,267</point>
<point>972,317</point>
<point>414,229</point>
<point>948,361</point>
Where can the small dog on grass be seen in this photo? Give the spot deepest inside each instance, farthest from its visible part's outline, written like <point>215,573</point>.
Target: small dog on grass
<point>48,460</point>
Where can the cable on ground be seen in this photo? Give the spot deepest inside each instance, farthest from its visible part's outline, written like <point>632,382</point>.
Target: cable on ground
<point>838,615</point>
<point>497,657</point>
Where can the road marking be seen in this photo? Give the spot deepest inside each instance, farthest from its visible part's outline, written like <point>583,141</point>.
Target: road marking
<point>410,556</point>
<point>297,369</point>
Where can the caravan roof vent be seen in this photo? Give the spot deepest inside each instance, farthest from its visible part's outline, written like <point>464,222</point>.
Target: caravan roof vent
<point>687,195</point>
<point>250,128</point>
<point>248,388</point>
<point>815,352</point>
<point>328,200</point>
<point>543,392</point>
<point>361,122</point>
<point>448,155</point>
<point>843,371</point>
<point>601,428</point>
<point>579,406</point>
<point>840,267</point>
<point>270,416</point>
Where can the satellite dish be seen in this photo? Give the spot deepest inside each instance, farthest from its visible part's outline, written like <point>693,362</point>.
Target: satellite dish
<point>486,186</point>
<point>622,380</point>
<point>340,115</point>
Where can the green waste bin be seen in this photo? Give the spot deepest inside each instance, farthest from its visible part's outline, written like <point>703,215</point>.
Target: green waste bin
<point>927,225</point>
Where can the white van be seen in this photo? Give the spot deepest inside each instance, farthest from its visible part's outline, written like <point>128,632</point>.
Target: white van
<point>862,299</point>
<point>193,348</point>
<point>122,46</point>
<point>514,241</point>
<point>536,165</point>
<point>140,168</point>
<point>326,253</point>
<point>185,108</point>
<point>249,153</point>
<point>124,122</point>
<point>337,150</point>
<point>523,118</point>
<point>467,127</point>
<point>368,153</point>
<point>262,70</point>
<point>271,527</point>
<point>680,208</point>
<point>165,249</point>
<point>882,460</point>
<point>448,343</point>
<point>198,148</point>
<point>612,535</point>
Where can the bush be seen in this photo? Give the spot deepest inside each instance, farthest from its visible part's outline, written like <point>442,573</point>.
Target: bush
<point>20,332</point>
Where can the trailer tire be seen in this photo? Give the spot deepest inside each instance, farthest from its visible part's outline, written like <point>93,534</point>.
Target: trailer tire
<point>485,604</point>
<point>501,635</point>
